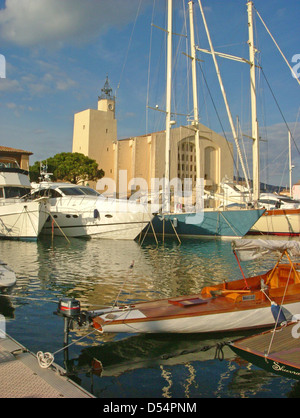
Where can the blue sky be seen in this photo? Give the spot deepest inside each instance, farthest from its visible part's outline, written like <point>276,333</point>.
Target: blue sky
<point>58,54</point>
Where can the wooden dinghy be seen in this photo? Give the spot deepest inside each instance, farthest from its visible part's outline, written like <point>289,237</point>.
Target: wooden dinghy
<point>277,351</point>
<point>230,306</point>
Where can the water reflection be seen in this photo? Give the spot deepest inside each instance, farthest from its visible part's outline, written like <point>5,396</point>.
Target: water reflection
<point>172,366</point>
<point>94,271</point>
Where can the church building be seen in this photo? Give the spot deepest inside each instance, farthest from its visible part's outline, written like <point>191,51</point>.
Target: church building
<point>95,135</point>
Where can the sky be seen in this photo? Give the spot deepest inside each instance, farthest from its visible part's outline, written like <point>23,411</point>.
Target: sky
<point>59,53</point>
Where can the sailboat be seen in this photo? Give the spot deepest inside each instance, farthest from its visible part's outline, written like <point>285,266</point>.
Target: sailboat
<point>278,221</point>
<point>233,305</point>
<point>202,222</point>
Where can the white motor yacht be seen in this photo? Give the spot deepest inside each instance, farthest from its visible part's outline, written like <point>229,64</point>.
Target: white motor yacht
<point>78,211</point>
<point>21,216</point>
<point>275,201</point>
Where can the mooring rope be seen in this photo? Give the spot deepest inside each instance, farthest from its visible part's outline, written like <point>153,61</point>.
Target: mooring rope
<point>45,360</point>
<point>279,312</point>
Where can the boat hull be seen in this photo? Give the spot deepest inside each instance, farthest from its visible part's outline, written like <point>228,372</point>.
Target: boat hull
<point>205,322</point>
<point>280,222</point>
<point>228,306</point>
<point>209,223</point>
<point>23,220</point>
<point>125,226</point>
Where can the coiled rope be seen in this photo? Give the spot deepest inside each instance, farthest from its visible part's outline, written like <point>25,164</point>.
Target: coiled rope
<point>45,360</point>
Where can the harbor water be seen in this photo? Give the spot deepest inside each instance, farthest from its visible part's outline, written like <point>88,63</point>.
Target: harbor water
<point>99,272</point>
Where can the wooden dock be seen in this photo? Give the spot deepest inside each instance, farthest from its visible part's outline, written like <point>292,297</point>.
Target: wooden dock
<point>22,377</point>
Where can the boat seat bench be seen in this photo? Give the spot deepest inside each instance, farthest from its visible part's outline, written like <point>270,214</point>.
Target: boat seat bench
<point>185,303</point>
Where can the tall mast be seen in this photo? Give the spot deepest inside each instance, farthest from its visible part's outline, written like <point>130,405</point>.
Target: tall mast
<point>254,123</point>
<point>168,105</point>
<point>290,164</point>
<point>195,93</point>
<point>213,53</point>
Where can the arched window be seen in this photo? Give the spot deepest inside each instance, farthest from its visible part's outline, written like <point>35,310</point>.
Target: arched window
<point>186,160</point>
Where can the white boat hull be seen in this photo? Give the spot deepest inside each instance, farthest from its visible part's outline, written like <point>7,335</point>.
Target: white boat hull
<point>278,222</point>
<point>235,320</point>
<point>76,217</point>
<point>24,219</point>
<point>122,226</point>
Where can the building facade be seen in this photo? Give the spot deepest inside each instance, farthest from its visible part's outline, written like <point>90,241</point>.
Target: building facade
<point>143,157</point>
<point>21,156</point>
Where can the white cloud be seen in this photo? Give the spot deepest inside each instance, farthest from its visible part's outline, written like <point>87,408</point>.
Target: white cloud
<point>9,85</point>
<point>54,22</point>
<point>65,84</point>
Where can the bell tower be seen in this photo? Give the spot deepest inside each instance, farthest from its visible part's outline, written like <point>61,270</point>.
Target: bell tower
<point>95,132</point>
<point>107,102</point>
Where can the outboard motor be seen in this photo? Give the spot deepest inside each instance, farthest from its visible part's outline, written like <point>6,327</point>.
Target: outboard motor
<point>69,308</point>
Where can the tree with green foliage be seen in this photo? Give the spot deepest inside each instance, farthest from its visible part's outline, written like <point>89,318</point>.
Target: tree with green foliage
<point>68,166</point>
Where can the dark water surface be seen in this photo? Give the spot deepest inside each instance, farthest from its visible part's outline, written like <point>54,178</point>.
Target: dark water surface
<point>133,366</point>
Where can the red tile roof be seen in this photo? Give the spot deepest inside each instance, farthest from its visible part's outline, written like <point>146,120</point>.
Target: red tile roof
<point>14,150</point>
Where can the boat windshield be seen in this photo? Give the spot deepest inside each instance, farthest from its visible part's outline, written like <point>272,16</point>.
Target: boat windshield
<point>46,193</point>
<point>89,191</point>
<point>79,191</point>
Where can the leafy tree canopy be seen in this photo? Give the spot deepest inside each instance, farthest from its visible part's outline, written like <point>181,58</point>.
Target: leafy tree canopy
<point>68,166</point>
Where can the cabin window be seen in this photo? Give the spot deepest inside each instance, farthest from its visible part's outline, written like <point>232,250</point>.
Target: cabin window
<point>13,192</point>
<point>54,193</point>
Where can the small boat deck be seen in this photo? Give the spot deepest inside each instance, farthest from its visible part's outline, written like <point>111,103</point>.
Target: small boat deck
<point>22,377</point>
<point>280,349</point>
<point>284,346</point>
